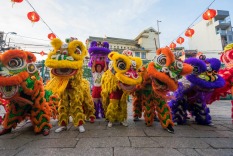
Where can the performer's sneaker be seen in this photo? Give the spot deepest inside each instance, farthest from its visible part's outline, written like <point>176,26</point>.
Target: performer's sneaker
<point>170,129</point>
<point>81,129</point>
<point>109,124</point>
<point>5,131</point>
<point>46,131</point>
<point>136,118</point>
<point>124,123</point>
<point>62,128</point>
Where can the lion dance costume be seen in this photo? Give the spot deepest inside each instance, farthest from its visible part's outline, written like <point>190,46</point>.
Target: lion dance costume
<point>194,97</point>
<point>22,86</point>
<point>66,61</point>
<point>99,55</point>
<point>227,74</point>
<point>159,77</point>
<point>117,83</point>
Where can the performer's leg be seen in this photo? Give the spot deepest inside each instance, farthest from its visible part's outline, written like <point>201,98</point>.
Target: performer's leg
<point>40,116</point>
<point>63,112</point>
<point>164,114</point>
<point>13,116</point>
<point>201,113</point>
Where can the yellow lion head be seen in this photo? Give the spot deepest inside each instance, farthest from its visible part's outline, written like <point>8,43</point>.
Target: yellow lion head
<point>66,59</point>
<point>125,68</point>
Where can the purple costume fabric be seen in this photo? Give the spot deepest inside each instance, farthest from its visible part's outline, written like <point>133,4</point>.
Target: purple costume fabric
<point>204,80</point>
<point>99,52</point>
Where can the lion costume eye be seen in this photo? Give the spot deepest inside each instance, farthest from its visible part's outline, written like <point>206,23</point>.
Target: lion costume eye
<point>161,60</point>
<point>121,65</point>
<point>15,62</point>
<point>195,70</point>
<point>179,64</point>
<point>78,50</point>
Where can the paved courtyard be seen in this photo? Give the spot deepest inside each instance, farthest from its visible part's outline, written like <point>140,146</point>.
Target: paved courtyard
<point>135,140</point>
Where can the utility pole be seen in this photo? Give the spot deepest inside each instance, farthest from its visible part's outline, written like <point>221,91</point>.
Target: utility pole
<point>158,32</point>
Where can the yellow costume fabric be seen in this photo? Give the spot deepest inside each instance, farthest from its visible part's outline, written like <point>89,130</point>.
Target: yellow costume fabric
<point>75,99</point>
<point>117,83</point>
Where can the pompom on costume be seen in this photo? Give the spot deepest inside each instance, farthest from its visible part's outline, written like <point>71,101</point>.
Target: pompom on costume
<point>98,57</point>
<point>117,82</point>
<point>22,86</point>
<point>195,96</point>
<point>66,61</point>
<point>159,77</point>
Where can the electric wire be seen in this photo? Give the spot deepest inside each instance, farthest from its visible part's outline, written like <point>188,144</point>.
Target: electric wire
<point>194,21</point>
<point>42,18</point>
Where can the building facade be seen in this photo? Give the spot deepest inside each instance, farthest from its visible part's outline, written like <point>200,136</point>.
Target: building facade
<point>143,46</point>
<point>211,36</point>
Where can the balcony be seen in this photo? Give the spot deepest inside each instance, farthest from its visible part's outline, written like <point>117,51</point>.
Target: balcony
<point>221,15</point>
<point>223,24</point>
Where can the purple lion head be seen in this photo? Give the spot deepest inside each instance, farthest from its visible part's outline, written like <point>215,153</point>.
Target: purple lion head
<point>98,51</point>
<point>205,72</point>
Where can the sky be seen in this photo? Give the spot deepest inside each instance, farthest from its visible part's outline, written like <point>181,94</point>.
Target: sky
<point>111,18</point>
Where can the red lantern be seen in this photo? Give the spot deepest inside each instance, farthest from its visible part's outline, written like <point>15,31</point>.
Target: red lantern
<point>42,53</point>
<point>209,14</point>
<point>172,45</point>
<point>33,16</point>
<point>180,40</point>
<point>51,36</point>
<point>189,32</point>
<point>16,1</point>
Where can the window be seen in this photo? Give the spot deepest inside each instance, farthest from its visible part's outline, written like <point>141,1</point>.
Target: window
<point>137,54</point>
<point>230,38</point>
<point>143,55</point>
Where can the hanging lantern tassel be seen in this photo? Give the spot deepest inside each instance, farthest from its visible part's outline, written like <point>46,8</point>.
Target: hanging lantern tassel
<point>16,1</point>
<point>33,17</point>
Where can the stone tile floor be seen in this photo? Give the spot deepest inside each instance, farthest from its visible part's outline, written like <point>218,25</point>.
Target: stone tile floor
<point>135,140</point>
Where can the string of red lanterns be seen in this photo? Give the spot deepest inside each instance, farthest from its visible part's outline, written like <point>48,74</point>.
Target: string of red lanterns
<point>180,40</point>
<point>33,16</point>
<point>172,45</point>
<point>209,14</point>
<point>42,53</point>
<point>16,1</point>
<point>189,32</point>
<point>51,36</point>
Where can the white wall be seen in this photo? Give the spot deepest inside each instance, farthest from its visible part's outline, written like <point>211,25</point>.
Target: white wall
<point>149,44</point>
<point>205,37</point>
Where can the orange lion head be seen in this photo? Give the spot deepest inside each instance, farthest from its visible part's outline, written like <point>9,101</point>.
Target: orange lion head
<point>165,71</point>
<point>15,67</point>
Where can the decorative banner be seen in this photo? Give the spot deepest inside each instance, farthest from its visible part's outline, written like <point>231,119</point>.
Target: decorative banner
<point>51,36</point>
<point>209,14</point>
<point>189,32</point>
<point>33,16</point>
<point>172,45</point>
<point>180,40</point>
